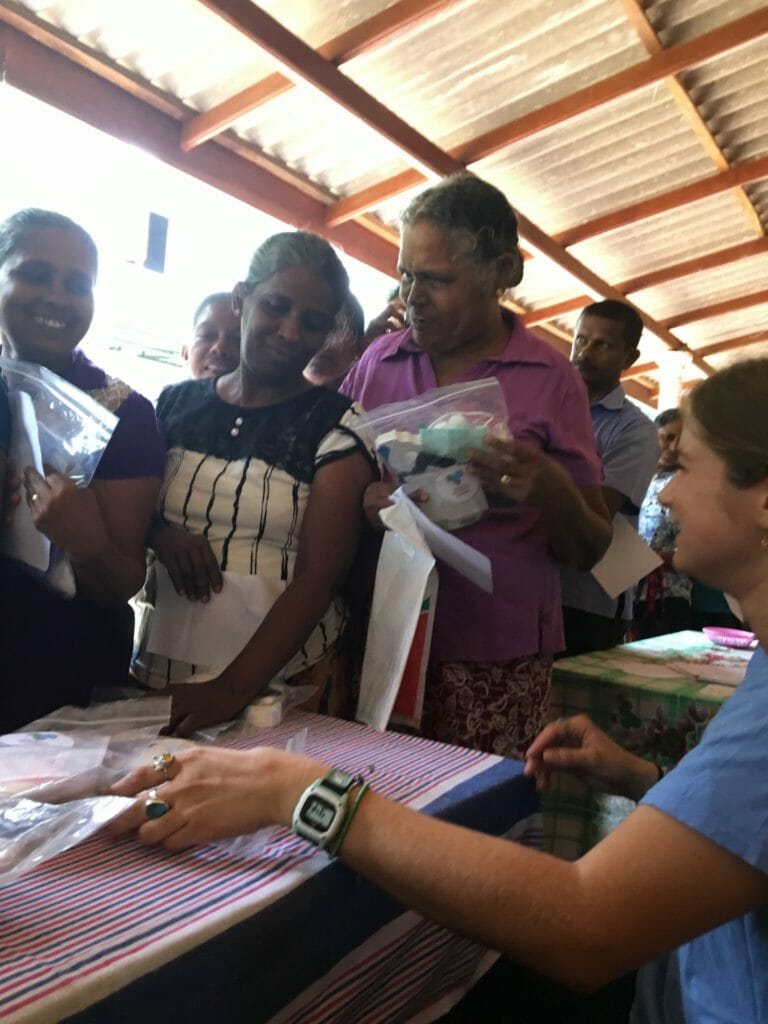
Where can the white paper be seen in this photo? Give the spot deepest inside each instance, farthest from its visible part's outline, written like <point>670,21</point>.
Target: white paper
<point>443,545</point>
<point>626,561</point>
<point>402,575</point>
<point>210,633</point>
<point>22,540</point>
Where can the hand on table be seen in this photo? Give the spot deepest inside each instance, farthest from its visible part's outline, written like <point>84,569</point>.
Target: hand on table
<point>190,562</point>
<point>214,793</point>
<point>197,705</point>
<point>68,515</point>
<point>578,746</point>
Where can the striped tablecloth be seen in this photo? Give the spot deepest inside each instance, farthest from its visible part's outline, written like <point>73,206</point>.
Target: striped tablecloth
<point>647,706</point>
<point>112,931</point>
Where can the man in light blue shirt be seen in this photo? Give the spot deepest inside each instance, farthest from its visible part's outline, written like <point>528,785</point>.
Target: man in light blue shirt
<point>606,343</point>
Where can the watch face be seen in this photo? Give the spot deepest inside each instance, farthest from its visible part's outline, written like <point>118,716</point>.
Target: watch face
<point>318,813</point>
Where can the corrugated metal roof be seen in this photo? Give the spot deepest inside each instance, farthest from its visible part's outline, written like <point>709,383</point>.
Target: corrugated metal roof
<point>576,120</point>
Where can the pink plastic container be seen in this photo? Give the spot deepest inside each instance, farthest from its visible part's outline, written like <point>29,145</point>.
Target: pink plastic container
<point>730,637</point>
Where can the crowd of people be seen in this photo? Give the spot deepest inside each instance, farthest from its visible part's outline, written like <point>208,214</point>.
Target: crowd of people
<point>261,467</point>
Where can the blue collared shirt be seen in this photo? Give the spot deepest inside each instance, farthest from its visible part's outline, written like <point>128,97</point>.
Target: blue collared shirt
<point>627,442</point>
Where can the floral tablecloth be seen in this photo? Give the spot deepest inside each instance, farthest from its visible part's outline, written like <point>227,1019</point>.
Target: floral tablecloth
<point>655,697</point>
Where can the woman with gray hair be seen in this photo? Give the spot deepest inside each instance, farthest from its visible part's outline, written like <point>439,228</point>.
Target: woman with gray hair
<point>265,476</point>
<point>489,674</point>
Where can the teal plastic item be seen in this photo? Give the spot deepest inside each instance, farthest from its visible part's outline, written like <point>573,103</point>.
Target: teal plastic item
<point>452,442</point>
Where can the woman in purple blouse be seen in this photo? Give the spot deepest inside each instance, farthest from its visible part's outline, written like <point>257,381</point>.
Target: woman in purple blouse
<point>490,667</point>
<point>54,649</point>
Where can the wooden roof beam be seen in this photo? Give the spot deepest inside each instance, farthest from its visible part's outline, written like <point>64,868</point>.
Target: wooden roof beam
<point>559,255</point>
<point>59,81</point>
<point>639,19</point>
<point>733,343</point>
<point>668,62</point>
<point>717,309</point>
<point>541,316</point>
<point>739,174</point>
<point>639,370</point>
<point>341,48</point>
<point>709,261</point>
<point>306,64</point>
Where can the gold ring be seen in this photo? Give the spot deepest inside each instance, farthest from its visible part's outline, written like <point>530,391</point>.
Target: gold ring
<point>162,762</point>
<point>505,480</point>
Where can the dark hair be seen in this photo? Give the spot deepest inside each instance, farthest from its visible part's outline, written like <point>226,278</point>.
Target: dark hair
<point>300,249</point>
<point>351,317</point>
<point>667,417</point>
<point>481,213</point>
<point>210,300</point>
<point>621,313</point>
<point>730,410</point>
<point>13,229</point>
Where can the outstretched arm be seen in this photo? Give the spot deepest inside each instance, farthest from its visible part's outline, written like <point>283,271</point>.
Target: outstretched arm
<point>327,545</point>
<point>629,899</point>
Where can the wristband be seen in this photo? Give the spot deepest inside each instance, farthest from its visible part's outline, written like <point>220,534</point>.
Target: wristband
<point>345,827</point>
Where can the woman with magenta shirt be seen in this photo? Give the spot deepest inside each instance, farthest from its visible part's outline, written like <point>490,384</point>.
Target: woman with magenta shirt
<point>56,649</point>
<point>490,666</point>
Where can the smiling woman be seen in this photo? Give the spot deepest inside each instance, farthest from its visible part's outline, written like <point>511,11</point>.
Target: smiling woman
<point>265,477</point>
<point>54,650</point>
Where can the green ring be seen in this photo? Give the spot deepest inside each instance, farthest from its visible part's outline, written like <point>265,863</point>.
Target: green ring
<point>156,808</point>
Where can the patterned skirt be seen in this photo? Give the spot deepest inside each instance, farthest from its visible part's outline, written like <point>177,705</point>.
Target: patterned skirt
<point>497,707</point>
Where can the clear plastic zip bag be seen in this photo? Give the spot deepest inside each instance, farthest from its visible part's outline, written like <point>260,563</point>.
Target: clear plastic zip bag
<point>425,444</point>
<point>54,426</point>
<point>72,428</point>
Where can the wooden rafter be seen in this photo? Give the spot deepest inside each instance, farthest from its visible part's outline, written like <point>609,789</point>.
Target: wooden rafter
<point>708,261</point>
<point>33,27</point>
<point>359,39</point>
<point>729,345</point>
<point>639,370</point>
<point>559,255</point>
<point>545,313</point>
<point>733,343</point>
<point>714,184</point>
<point>310,67</point>
<point>668,62</point>
<point>653,44</point>
<point>46,74</point>
<point>717,309</point>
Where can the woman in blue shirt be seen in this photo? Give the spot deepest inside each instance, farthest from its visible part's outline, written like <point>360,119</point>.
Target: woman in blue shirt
<point>686,872</point>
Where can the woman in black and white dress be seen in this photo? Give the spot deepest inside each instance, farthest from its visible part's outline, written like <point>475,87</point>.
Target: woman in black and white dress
<point>265,475</point>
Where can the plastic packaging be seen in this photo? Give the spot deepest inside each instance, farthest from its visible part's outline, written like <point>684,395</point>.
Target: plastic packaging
<point>54,426</point>
<point>73,429</point>
<point>425,444</point>
<point>31,833</point>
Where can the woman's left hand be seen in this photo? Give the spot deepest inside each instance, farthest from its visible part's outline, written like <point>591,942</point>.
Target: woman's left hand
<point>518,471</point>
<point>68,515</point>
<point>197,705</point>
<point>214,793</point>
